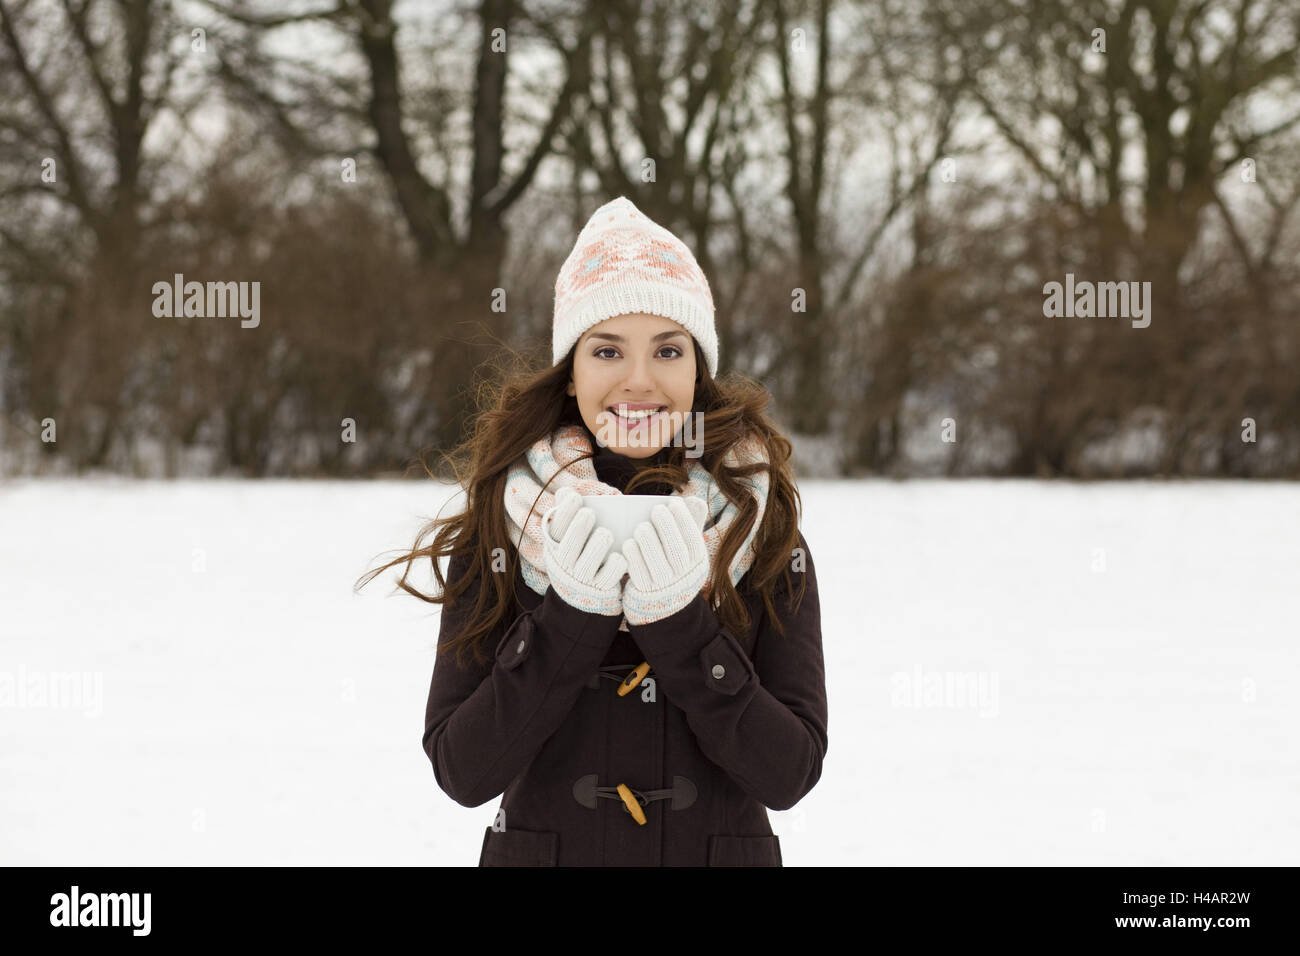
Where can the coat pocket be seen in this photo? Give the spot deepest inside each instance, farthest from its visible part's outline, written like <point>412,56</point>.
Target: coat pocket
<point>519,848</point>
<point>728,850</point>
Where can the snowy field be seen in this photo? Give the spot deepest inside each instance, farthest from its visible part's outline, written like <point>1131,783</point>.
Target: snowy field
<point>1019,673</point>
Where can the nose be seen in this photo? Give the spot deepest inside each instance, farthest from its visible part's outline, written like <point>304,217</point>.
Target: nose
<point>640,377</point>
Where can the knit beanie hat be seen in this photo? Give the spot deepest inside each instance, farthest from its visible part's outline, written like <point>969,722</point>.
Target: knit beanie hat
<point>625,262</point>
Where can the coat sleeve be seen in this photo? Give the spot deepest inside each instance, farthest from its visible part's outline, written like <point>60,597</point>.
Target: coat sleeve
<point>761,720</point>
<point>484,724</point>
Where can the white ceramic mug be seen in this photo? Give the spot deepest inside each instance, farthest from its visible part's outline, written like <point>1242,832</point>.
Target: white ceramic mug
<point>622,513</point>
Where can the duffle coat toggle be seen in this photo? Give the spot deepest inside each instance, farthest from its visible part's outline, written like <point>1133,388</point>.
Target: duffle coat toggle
<point>585,791</point>
<point>682,794</point>
<point>627,676</point>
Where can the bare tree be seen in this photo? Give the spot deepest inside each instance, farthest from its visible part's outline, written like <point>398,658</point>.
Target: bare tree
<point>463,263</point>
<point>1077,88</point>
<point>88,81</point>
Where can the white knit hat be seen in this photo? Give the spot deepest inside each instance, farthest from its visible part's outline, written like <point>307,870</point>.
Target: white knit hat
<point>625,262</point>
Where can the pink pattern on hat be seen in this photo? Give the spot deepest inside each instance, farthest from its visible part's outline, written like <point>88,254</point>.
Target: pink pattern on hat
<point>662,257</point>
<point>597,262</point>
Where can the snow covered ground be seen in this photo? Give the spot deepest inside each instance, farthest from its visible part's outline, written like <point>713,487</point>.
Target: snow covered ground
<point>1132,649</point>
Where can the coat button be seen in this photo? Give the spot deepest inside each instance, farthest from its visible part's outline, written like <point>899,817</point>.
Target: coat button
<point>719,671</point>
<point>520,648</point>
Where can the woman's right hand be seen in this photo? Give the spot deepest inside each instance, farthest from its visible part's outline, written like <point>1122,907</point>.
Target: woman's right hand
<point>581,568</point>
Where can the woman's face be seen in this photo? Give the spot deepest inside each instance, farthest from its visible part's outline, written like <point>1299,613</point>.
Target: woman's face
<point>630,362</point>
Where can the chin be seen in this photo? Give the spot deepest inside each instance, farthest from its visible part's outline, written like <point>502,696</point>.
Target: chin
<point>638,451</point>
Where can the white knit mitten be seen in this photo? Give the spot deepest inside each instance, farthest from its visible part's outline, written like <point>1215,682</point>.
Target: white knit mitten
<point>575,557</point>
<point>667,561</point>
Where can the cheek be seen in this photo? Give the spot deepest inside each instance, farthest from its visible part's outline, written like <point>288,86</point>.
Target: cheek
<point>581,380</point>
<point>588,385</point>
<point>683,387</point>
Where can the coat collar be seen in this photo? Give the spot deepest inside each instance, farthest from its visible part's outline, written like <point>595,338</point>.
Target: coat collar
<point>617,470</point>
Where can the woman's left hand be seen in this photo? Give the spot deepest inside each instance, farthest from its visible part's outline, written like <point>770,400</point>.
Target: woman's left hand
<point>667,560</point>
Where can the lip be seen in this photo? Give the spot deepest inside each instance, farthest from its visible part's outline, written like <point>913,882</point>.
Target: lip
<point>635,406</point>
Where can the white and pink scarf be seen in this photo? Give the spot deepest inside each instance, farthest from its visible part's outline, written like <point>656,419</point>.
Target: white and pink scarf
<point>547,459</point>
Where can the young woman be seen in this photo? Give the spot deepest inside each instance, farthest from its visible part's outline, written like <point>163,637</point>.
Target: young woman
<point>638,707</point>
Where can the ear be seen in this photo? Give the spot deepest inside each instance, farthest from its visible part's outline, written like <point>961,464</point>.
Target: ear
<point>571,389</point>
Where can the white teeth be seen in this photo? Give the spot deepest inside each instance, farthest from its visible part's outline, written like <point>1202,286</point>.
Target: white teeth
<point>636,415</point>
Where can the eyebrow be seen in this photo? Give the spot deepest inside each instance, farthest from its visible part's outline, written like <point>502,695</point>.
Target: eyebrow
<point>618,338</point>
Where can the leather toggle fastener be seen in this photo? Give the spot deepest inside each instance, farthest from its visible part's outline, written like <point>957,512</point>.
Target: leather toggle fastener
<point>682,794</point>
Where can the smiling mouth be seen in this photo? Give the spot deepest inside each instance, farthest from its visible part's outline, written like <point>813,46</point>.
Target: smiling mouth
<point>637,418</point>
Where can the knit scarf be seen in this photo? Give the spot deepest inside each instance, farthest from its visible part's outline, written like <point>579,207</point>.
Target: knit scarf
<point>526,502</point>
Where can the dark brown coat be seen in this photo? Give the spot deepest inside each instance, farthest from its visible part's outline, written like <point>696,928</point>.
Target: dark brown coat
<point>722,726</point>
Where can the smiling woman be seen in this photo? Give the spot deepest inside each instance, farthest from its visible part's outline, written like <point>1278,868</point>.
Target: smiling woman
<point>709,613</point>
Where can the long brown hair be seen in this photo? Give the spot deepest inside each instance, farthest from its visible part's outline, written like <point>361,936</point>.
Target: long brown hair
<point>528,404</point>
